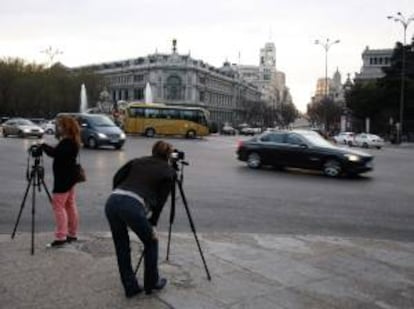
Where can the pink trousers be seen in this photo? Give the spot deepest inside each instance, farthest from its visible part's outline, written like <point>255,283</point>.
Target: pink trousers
<point>66,214</point>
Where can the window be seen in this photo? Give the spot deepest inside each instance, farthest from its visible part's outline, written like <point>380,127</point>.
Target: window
<point>152,113</point>
<point>188,115</point>
<point>174,88</point>
<point>137,112</point>
<point>138,78</point>
<point>294,139</point>
<point>138,93</point>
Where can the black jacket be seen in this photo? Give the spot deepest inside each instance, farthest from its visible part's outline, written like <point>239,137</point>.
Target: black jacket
<point>149,177</point>
<point>64,170</point>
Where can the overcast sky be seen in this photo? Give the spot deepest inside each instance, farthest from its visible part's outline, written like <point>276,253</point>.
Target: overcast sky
<point>94,31</point>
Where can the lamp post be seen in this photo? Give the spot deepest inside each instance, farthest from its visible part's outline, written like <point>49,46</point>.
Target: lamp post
<point>404,22</point>
<point>326,46</point>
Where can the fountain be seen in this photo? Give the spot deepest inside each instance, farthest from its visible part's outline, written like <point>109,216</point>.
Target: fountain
<point>83,100</point>
<point>148,94</point>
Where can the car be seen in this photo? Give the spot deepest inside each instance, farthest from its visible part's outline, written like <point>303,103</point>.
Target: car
<point>98,130</point>
<point>228,130</point>
<point>22,128</point>
<point>305,150</point>
<point>250,131</point>
<point>346,138</point>
<point>49,126</point>
<point>367,140</point>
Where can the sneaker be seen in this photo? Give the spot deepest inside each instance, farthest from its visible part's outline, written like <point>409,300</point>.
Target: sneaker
<point>162,282</point>
<point>70,239</point>
<point>56,244</point>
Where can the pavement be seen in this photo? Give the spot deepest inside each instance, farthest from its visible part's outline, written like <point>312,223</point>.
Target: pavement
<point>247,270</point>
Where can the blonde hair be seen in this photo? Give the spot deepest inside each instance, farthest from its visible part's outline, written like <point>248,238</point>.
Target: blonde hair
<point>162,150</point>
<point>70,128</point>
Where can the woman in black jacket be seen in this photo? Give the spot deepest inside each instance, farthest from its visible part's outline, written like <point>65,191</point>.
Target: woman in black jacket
<point>65,175</point>
<point>140,190</point>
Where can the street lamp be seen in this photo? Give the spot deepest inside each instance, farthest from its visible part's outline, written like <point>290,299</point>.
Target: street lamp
<point>326,45</point>
<point>51,54</point>
<point>404,22</point>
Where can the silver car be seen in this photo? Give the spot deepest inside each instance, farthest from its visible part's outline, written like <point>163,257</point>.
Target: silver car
<point>22,128</point>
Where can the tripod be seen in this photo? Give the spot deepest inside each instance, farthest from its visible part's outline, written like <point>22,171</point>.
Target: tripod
<point>178,181</point>
<point>35,179</point>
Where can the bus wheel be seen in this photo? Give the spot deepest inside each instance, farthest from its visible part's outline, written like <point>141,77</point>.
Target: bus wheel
<point>150,132</point>
<point>191,134</point>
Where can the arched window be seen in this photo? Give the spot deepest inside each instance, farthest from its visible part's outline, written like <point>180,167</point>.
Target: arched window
<point>174,88</point>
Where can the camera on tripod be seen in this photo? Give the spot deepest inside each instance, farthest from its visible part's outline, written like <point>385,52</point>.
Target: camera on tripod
<point>35,150</point>
<point>177,155</point>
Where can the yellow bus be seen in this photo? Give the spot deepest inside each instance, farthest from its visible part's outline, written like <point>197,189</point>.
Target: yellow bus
<point>152,119</point>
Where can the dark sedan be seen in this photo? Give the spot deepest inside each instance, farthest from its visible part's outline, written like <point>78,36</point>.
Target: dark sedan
<point>303,149</point>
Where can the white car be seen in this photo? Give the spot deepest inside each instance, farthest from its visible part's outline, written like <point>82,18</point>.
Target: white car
<point>347,138</point>
<point>369,140</point>
<point>49,126</point>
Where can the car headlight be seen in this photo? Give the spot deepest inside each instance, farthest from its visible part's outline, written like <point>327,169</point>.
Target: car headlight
<point>352,157</point>
<point>122,136</point>
<point>101,135</point>
<point>26,130</point>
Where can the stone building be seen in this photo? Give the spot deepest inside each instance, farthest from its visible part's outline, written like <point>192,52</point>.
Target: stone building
<point>179,80</point>
<point>373,60</point>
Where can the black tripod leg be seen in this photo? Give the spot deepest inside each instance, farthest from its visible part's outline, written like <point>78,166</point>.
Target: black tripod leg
<point>193,228</point>
<point>139,262</point>
<point>33,215</point>
<point>22,206</point>
<point>46,189</point>
<point>172,215</point>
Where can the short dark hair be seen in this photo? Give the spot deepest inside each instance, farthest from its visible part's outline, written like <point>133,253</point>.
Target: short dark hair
<point>162,150</point>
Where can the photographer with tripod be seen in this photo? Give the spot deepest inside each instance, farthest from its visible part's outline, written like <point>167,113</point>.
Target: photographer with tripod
<point>140,190</point>
<point>65,177</point>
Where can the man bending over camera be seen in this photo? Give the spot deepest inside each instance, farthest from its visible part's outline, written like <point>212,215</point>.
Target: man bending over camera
<point>140,190</point>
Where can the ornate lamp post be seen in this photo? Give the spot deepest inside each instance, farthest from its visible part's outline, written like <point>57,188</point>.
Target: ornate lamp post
<point>326,46</point>
<point>400,18</point>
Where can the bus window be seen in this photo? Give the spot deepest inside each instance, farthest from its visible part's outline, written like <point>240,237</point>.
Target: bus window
<point>152,113</point>
<point>188,115</point>
<point>137,112</point>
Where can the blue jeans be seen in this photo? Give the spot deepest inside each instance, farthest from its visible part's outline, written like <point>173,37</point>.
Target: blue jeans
<point>122,212</point>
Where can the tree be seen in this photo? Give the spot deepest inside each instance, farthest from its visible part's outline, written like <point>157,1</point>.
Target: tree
<point>31,90</point>
<point>324,112</point>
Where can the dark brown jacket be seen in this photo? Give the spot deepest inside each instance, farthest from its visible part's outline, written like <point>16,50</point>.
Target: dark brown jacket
<point>149,177</point>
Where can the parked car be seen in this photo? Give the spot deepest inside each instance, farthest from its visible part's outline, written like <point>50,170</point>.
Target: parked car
<point>49,126</point>
<point>302,149</point>
<point>250,131</point>
<point>346,138</point>
<point>22,128</point>
<point>98,130</point>
<point>228,130</point>
<point>369,140</point>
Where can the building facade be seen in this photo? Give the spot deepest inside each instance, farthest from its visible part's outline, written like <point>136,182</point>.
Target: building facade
<point>373,60</point>
<point>179,80</point>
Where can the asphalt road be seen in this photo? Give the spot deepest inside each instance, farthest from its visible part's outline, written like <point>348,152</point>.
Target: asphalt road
<point>226,196</point>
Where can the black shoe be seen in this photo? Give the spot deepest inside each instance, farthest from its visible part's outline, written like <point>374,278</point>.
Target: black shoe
<point>56,244</point>
<point>134,292</point>
<point>70,239</point>
<point>162,282</point>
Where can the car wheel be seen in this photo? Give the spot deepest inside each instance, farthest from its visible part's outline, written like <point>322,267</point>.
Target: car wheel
<point>49,131</point>
<point>332,168</point>
<point>4,133</point>
<point>191,134</point>
<point>40,136</point>
<point>350,144</point>
<point>20,134</point>
<point>92,143</point>
<point>118,146</point>
<point>378,147</point>
<point>365,145</point>
<point>150,132</point>
<point>254,160</point>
